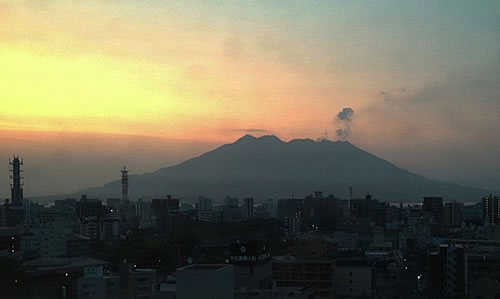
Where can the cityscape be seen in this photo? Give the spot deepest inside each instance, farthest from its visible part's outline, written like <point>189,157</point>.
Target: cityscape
<point>317,246</point>
<point>236,149</point>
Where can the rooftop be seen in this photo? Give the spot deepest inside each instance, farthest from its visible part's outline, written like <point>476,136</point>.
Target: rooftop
<point>211,267</point>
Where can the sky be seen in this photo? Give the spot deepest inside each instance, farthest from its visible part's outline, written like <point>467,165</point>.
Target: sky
<point>89,86</point>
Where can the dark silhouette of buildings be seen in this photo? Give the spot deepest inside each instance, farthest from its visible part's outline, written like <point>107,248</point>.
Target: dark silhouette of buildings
<point>434,205</point>
<point>124,182</point>
<point>88,207</point>
<point>252,265</point>
<point>491,209</point>
<point>16,185</point>
<point>369,208</point>
<point>447,268</point>
<point>166,216</point>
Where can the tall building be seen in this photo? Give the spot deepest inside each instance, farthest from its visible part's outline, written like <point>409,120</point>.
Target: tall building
<point>369,208</point>
<point>124,182</point>
<point>453,213</point>
<point>166,217</point>
<point>434,205</point>
<point>88,207</point>
<point>447,272</point>
<point>316,209</point>
<point>292,226</point>
<point>248,208</point>
<point>205,209</point>
<point>231,211</point>
<point>16,187</point>
<point>491,209</point>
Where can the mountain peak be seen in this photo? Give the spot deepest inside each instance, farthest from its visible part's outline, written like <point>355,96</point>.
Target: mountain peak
<point>246,138</point>
<point>250,139</point>
<point>269,138</point>
<point>266,167</point>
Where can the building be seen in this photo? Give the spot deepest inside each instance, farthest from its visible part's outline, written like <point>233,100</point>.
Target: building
<point>138,283</point>
<point>231,210</point>
<point>447,272</point>
<point>89,207</point>
<point>453,213</point>
<point>322,210</point>
<point>48,215</point>
<point>166,217</point>
<point>66,208</point>
<point>168,223</point>
<point>16,187</point>
<point>434,205</point>
<point>252,265</point>
<point>90,227</point>
<point>353,279</point>
<point>48,275</point>
<point>248,208</point>
<point>491,209</point>
<point>51,242</point>
<point>277,293</point>
<point>271,208</point>
<point>10,241</point>
<point>369,208</point>
<point>290,271</point>
<point>15,213</point>
<point>144,213</point>
<point>124,182</point>
<point>316,209</point>
<point>163,205</point>
<point>77,245</point>
<point>292,226</point>
<point>95,285</point>
<point>205,281</point>
<point>473,214</point>
<point>205,209</point>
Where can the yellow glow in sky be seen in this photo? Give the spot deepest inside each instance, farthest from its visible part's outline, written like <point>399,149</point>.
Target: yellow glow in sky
<point>90,93</point>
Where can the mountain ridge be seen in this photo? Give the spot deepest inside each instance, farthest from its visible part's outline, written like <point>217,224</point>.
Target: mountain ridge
<point>267,167</point>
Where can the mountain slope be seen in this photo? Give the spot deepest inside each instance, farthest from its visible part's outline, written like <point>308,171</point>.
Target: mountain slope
<point>267,167</point>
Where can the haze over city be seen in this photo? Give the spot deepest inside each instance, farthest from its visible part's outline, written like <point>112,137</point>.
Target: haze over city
<point>87,87</point>
<point>228,149</point>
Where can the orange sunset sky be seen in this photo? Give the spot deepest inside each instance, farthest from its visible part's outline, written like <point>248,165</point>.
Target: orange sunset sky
<point>89,86</point>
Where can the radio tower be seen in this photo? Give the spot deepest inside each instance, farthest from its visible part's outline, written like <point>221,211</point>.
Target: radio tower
<point>124,183</point>
<point>16,187</point>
